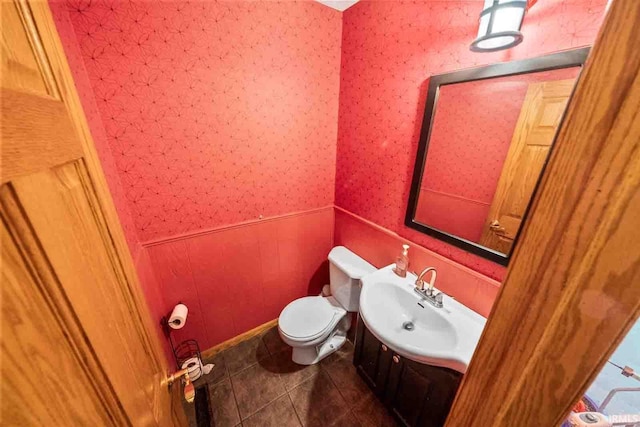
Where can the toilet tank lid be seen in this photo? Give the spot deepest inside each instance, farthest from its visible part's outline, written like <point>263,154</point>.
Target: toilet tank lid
<point>350,263</point>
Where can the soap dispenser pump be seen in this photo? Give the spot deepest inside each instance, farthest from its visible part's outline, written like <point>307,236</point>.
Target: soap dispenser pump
<point>402,262</point>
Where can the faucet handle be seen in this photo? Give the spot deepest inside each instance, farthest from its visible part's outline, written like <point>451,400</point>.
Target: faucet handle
<point>437,300</point>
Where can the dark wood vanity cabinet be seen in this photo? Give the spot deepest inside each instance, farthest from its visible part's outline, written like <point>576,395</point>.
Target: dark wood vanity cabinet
<point>420,395</point>
<point>372,359</point>
<point>417,395</point>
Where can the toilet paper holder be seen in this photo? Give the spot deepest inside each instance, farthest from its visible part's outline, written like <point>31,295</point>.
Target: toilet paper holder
<point>184,350</point>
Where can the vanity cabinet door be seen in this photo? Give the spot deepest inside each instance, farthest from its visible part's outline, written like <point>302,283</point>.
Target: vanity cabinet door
<point>420,395</point>
<point>371,358</point>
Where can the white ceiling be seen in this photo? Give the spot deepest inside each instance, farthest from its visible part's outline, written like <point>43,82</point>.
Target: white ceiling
<point>340,5</point>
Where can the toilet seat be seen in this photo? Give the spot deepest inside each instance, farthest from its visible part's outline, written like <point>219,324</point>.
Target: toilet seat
<point>314,327</point>
<point>308,318</point>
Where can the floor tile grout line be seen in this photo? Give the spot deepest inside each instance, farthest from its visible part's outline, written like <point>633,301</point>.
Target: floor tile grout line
<point>350,405</point>
<point>269,355</point>
<point>235,374</point>
<point>312,375</point>
<point>272,355</point>
<point>249,366</point>
<point>335,385</point>
<point>279,377</point>
<point>262,407</point>
<point>302,382</point>
<point>295,411</point>
<point>219,380</point>
<point>265,343</point>
<point>311,378</point>
<point>235,400</point>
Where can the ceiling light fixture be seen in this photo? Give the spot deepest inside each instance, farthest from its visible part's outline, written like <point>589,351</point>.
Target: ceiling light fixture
<point>500,23</point>
<point>340,5</point>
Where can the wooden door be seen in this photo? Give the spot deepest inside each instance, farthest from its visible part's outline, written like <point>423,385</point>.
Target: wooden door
<point>76,342</point>
<point>540,116</point>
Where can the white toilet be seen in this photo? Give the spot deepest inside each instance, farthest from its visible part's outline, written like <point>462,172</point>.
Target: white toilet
<point>317,326</point>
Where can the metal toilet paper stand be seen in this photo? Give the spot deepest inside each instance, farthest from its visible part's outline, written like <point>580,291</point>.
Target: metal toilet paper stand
<point>183,350</point>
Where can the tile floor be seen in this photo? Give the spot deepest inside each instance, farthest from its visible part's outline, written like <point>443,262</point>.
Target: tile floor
<point>255,383</point>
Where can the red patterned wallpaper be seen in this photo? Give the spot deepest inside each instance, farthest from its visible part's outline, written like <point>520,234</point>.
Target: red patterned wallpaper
<point>473,128</point>
<point>87,98</point>
<point>215,112</point>
<point>389,49</point>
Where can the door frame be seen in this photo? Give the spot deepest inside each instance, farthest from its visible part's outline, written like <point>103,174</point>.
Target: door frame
<point>575,273</point>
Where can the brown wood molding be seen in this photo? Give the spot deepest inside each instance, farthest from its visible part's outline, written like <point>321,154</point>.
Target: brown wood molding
<point>238,339</point>
<point>571,292</point>
<point>66,365</point>
<point>28,128</point>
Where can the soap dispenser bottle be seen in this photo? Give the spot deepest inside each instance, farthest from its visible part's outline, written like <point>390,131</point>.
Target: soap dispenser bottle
<point>402,262</point>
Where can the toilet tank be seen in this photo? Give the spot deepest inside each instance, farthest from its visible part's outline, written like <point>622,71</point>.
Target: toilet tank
<point>345,271</point>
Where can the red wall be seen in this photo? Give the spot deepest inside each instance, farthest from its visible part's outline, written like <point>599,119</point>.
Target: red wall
<point>151,288</point>
<point>472,131</point>
<point>76,61</point>
<point>389,49</point>
<point>215,112</point>
<point>380,247</point>
<point>236,278</point>
<point>208,115</point>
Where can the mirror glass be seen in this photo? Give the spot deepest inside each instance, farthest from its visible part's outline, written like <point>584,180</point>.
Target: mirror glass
<point>488,143</point>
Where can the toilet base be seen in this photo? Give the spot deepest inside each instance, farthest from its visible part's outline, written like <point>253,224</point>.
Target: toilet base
<point>310,355</point>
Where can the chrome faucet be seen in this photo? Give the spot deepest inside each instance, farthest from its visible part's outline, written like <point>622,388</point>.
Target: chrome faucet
<point>432,297</point>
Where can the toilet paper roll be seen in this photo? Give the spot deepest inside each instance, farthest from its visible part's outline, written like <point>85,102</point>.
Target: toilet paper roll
<point>208,368</point>
<point>194,367</point>
<point>178,316</point>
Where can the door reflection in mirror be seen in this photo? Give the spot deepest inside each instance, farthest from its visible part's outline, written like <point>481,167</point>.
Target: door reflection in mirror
<point>488,145</point>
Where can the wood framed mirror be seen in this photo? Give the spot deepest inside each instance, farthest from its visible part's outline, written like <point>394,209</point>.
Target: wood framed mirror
<point>487,133</point>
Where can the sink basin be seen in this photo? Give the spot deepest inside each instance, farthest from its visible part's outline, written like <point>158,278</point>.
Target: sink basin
<point>412,327</point>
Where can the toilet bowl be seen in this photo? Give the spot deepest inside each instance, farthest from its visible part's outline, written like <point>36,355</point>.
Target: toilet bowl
<point>316,326</point>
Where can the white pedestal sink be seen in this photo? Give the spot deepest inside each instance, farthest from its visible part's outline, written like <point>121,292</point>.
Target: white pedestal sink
<point>412,327</point>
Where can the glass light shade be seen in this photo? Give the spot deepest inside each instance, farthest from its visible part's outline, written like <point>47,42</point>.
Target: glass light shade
<point>500,22</point>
